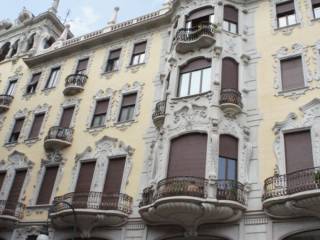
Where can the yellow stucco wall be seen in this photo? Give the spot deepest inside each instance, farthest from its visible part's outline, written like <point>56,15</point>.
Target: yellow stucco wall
<point>276,108</point>
<point>132,136</point>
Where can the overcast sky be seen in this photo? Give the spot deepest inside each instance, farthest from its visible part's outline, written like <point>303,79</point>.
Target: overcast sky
<point>86,15</point>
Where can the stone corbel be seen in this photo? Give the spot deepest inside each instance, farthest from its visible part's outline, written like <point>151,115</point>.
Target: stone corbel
<point>245,58</point>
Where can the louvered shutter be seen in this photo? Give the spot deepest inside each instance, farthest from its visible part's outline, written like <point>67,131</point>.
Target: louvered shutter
<point>114,175</point>
<point>66,117</point>
<point>292,74</point>
<point>230,74</point>
<point>47,185</point>
<point>36,126</point>
<point>230,14</point>
<point>101,107</point>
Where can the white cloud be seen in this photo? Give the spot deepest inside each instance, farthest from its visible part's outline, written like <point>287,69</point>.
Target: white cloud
<point>85,22</point>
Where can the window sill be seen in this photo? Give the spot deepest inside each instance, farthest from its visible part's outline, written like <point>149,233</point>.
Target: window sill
<point>110,72</point>
<point>124,122</point>
<point>192,96</point>
<point>31,141</point>
<point>41,206</point>
<point>231,33</point>
<point>136,65</point>
<point>287,27</point>
<point>293,92</point>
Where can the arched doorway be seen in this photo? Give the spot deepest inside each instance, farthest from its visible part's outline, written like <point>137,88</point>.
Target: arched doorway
<point>309,235</point>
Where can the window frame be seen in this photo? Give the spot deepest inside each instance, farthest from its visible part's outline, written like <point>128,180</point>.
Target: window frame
<point>99,115</point>
<point>49,80</point>
<point>112,61</point>
<point>33,121</point>
<point>140,56</point>
<point>10,141</point>
<point>127,107</point>
<point>286,15</point>
<point>11,90</point>
<point>34,85</point>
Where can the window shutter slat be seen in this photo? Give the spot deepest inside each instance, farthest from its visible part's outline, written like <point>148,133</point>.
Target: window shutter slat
<point>47,185</point>
<point>115,54</point>
<point>196,65</point>
<point>36,126</point>
<point>139,48</point>
<point>230,14</point>
<point>228,147</point>
<point>201,13</point>
<point>230,74</point>
<point>114,175</point>
<point>102,107</point>
<point>292,74</point>
<point>82,64</point>
<point>18,125</point>
<point>298,150</point>
<point>283,8</point>
<point>66,117</point>
<point>85,177</point>
<point>129,99</point>
<point>188,156</point>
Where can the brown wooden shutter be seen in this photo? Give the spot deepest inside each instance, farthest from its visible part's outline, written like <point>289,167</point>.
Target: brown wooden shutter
<point>298,150</point>
<point>115,54</point>
<point>35,78</point>
<point>129,99</point>
<point>292,74</point>
<point>15,191</point>
<point>47,185</point>
<point>230,14</point>
<point>66,117</point>
<point>82,65</point>
<point>230,74</point>
<point>102,107</point>
<point>285,8</point>
<point>139,48</point>
<point>2,177</point>
<point>196,65</point>
<point>200,13</point>
<point>36,126</point>
<point>188,156</point>
<point>85,177</point>
<point>315,2</point>
<point>114,175</point>
<point>228,147</point>
<point>18,125</point>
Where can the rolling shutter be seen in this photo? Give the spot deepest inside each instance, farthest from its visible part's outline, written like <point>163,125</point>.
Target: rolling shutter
<point>102,107</point>
<point>230,14</point>
<point>292,74</point>
<point>115,54</point>
<point>228,147</point>
<point>201,13</point>
<point>139,48</point>
<point>114,175</point>
<point>47,185</point>
<point>18,125</point>
<point>36,126</point>
<point>85,177</point>
<point>129,99</point>
<point>230,74</point>
<point>196,65</point>
<point>82,65</point>
<point>285,8</point>
<point>66,117</point>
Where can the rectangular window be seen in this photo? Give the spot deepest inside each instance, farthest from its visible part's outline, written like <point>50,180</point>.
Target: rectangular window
<point>85,177</point>
<point>47,185</point>
<point>292,74</point>
<point>66,118</point>
<point>16,130</point>
<point>36,126</point>
<point>138,55</point>
<point>100,113</point>
<point>195,82</point>
<point>113,60</point>
<point>11,88</point>
<point>316,8</point>
<point>52,80</point>
<point>32,86</point>
<point>114,176</point>
<point>82,66</point>
<point>127,107</point>
<point>230,19</point>
<point>286,15</point>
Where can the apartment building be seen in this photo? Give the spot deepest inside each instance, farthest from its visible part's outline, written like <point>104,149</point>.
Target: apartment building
<point>197,121</point>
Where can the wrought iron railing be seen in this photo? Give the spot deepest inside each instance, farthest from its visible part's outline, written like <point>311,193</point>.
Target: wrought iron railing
<point>160,109</point>
<point>231,96</point>
<point>95,201</point>
<point>192,34</point>
<point>296,182</point>
<point>60,133</point>
<point>5,100</point>
<point>78,80</point>
<point>193,187</point>
<point>12,209</point>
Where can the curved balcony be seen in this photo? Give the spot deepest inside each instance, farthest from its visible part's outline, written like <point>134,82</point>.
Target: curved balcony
<point>230,102</point>
<point>293,195</point>
<point>10,213</point>
<point>75,84</point>
<point>58,138</point>
<point>5,101</point>
<point>93,209</point>
<point>190,39</point>
<point>191,201</point>
<point>159,114</point>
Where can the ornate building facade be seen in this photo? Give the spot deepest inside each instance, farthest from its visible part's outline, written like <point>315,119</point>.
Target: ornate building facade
<point>197,121</point>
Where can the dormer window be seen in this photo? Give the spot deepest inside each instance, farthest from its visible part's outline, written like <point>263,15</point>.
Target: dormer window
<point>199,17</point>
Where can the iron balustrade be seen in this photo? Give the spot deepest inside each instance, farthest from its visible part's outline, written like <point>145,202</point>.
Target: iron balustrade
<point>60,133</point>
<point>193,187</point>
<point>231,96</point>
<point>12,209</point>
<point>291,183</point>
<point>192,34</point>
<point>95,201</point>
<point>78,80</point>
<point>5,100</point>
<point>160,109</point>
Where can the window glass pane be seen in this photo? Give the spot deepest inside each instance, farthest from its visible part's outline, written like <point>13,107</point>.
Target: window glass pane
<point>53,78</point>
<point>195,82</point>
<point>316,12</point>
<point>130,113</point>
<point>232,170</point>
<point>123,114</point>
<point>222,168</point>
<point>11,88</point>
<point>282,21</point>
<point>142,57</point>
<point>292,19</point>
<point>225,26</point>
<point>135,60</point>
<point>184,85</point>
<point>211,19</point>
<point>206,79</point>
<point>233,27</point>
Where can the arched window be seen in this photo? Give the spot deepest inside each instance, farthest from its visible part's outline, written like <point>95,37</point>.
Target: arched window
<point>230,74</point>
<point>195,77</point>
<point>4,51</point>
<point>30,42</point>
<point>188,156</point>
<point>48,42</point>
<point>310,235</point>
<point>230,19</point>
<point>15,47</point>
<point>198,17</point>
<point>228,158</point>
